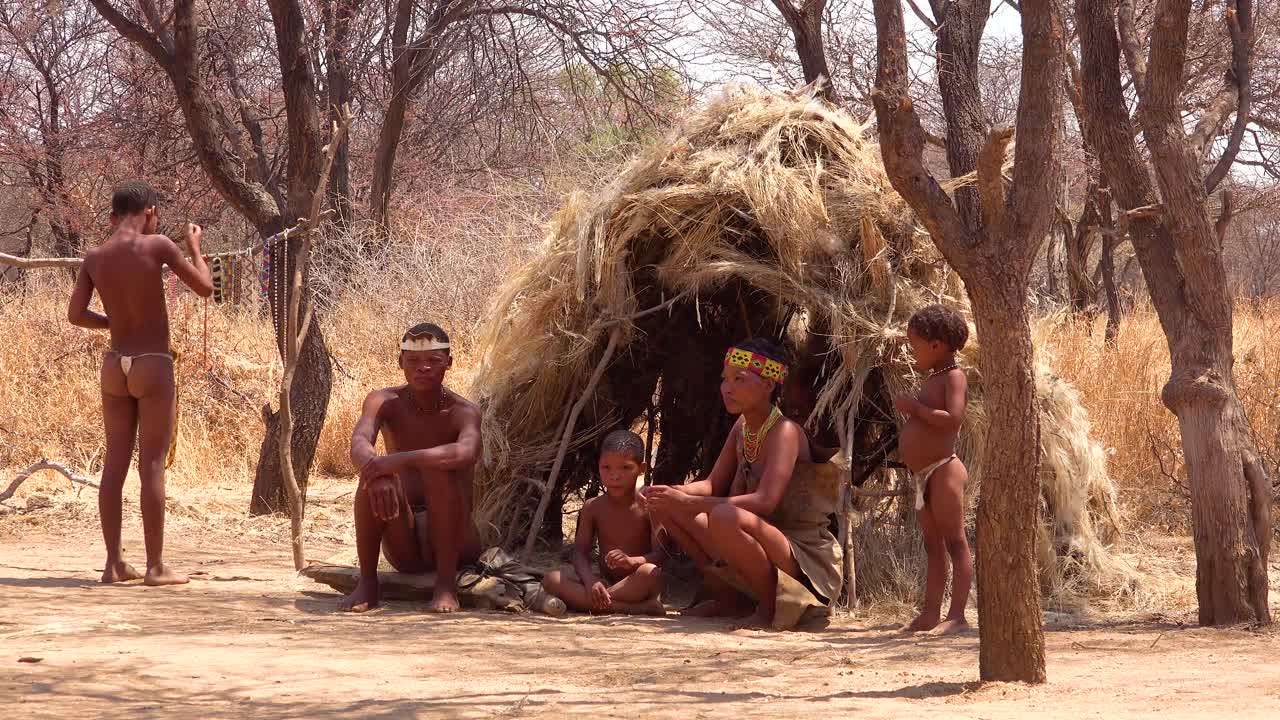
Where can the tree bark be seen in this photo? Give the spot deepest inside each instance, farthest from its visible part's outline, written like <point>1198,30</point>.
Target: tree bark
<point>960,27</point>
<point>1180,254</point>
<point>1012,640</point>
<point>991,238</point>
<point>1081,291</point>
<point>805,22</point>
<point>338,15</point>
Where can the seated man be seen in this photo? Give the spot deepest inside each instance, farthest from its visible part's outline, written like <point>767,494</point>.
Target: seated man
<point>414,503</point>
<point>630,554</point>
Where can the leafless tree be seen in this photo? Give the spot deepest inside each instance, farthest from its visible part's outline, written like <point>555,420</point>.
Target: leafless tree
<point>990,234</point>
<point>1179,246</point>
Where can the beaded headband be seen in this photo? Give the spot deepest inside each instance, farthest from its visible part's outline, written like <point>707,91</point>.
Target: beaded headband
<point>767,368</point>
<point>422,343</point>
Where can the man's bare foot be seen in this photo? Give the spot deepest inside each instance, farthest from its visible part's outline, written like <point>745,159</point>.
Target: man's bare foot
<point>444,601</point>
<point>923,623</point>
<point>120,572</point>
<point>162,575</point>
<point>951,627</point>
<point>759,620</point>
<point>363,599</point>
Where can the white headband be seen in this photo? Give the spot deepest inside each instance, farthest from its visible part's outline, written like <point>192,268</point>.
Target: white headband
<point>426,343</point>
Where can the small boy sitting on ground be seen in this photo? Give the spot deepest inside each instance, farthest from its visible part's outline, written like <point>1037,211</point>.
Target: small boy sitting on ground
<point>630,552</point>
<point>926,445</point>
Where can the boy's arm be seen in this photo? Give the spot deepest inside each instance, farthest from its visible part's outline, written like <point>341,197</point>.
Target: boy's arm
<point>78,312</point>
<point>193,272</point>
<point>951,415</point>
<point>584,537</point>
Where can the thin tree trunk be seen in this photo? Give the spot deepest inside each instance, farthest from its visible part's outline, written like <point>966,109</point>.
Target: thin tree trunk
<point>1107,264</point>
<point>309,399</point>
<point>1009,613</point>
<point>1081,290</point>
<point>337,16</point>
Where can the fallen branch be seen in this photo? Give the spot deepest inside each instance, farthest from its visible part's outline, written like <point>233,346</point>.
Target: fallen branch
<point>32,263</point>
<point>46,465</point>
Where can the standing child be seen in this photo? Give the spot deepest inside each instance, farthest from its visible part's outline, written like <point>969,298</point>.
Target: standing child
<point>138,391</point>
<point>927,447</point>
<point>630,552</point>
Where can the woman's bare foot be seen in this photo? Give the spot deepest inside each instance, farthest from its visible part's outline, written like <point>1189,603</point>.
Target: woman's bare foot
<point>759,620</point>
<point>652,606</point>
<point>951,627</point>
<point>363,599</point>
<point>162,575</point>
<point>923,623</point>
<point>120,572</point>
<point>444,601</point>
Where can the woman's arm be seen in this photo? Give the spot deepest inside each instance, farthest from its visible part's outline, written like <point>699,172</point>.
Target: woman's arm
<point>783,450</point>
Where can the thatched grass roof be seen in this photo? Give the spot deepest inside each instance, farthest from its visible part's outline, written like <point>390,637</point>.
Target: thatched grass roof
<point>761,214</point>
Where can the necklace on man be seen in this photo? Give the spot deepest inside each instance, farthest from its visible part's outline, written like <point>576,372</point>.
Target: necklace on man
<point>752,441</point>
<point>414,403</point>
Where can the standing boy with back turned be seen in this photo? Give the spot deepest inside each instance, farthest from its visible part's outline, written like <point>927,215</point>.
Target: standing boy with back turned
<point>138,390</point>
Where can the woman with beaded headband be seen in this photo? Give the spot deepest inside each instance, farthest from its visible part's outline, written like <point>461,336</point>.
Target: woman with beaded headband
<point>757,525</point>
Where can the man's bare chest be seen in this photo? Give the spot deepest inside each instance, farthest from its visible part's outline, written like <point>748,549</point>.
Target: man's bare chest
<point>405,428</point>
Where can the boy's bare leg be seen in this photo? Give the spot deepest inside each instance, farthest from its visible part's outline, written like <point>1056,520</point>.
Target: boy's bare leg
<point>151,382</point>
<point>638,593</point>
<point>756,550</point>
<point>947,496</point>
<point>936,563</point>
<point>374,536</point>
<point>563,583</point>
<point>119,419</point>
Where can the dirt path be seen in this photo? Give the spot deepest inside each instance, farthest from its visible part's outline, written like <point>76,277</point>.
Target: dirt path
<point>247,639</point>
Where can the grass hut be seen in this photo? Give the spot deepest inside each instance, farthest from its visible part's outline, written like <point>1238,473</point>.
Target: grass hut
<point>760,214</point>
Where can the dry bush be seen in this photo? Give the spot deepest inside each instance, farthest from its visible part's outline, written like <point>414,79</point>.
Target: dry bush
<point>1121,387</point>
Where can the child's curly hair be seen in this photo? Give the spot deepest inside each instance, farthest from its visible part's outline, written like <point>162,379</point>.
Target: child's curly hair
<point>939,322</point>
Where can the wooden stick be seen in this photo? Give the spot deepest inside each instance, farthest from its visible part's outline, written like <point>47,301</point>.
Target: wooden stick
<point>45,465</point>
<point>295,336</point>
<point>615,336</point>
<point>32,263</point>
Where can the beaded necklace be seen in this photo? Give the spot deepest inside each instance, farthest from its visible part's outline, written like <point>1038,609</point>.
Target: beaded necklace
<point>752,441</point>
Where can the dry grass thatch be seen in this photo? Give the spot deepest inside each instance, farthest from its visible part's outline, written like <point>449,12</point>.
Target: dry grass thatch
<point>761,214</point>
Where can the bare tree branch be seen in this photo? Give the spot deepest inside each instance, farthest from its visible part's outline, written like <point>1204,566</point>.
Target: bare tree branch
<point>1240,24</point>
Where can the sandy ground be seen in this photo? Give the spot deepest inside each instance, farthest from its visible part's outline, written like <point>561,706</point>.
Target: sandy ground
<point>246,638</point>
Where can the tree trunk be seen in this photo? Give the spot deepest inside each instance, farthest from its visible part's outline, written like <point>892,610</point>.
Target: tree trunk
<point>1009,616</point>
<point>309,399</point>
<point>806,30</point>
<point>1180,254</point>
<point>1081,290</point>
<point>337,16</point>
<point>959,48</point>
<point>1107,265</point>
